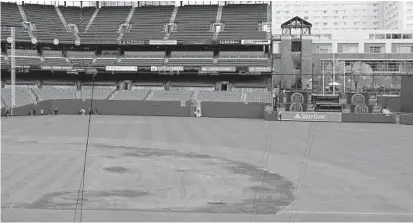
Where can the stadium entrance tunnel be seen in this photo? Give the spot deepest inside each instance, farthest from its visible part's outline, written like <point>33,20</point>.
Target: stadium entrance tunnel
<point>149,179</point>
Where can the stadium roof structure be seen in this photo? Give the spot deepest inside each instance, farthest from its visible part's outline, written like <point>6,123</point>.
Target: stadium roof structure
<point>296,23</point>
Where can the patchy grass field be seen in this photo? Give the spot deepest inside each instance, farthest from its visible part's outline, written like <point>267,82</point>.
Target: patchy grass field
<point>188,169</point>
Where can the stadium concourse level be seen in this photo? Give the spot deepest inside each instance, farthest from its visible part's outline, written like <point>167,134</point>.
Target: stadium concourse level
<point>109,25</point>
<point>188,60</point>
<point>33,91</point>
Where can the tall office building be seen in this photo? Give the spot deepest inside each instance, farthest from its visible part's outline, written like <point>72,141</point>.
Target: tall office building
<point>328,15</point>
<point>339,15</point>
<point>397,15</point>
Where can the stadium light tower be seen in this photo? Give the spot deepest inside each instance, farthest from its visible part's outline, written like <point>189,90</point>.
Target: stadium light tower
<point>12,41</point>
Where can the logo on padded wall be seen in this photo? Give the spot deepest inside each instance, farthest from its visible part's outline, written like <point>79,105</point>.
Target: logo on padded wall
<point>296,107</point>
<point>297,98</point>
<point>361,109</point>
<point>358,99</point>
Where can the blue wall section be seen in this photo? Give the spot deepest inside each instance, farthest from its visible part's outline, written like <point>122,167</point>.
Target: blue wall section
<point>368,118</point>
<point>406,94</point>
<point>406,119</point>
<point>232,110</point>
<point>148,108</point>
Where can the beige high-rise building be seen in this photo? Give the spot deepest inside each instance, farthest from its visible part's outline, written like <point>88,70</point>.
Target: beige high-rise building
<point>397,15</point>
<point>328,14</point>
<point>342,15</point>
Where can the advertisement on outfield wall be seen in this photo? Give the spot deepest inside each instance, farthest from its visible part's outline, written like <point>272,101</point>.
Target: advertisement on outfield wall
<point>311,116</point>
<point>218,69</point>
<point>121,68</point>
<point>259,69</point>
<point>167,68</point>
<point>255,42</point>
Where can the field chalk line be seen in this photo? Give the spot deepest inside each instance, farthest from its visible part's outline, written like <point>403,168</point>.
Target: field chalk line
<point>347,213</point>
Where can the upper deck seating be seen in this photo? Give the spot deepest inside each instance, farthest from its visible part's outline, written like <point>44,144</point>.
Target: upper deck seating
<point>48,27</point>
<point>10,17</point>
<point>79,17</point>
<point>22,96</point>
<point>191,58</point>
<point>148,22</point>
<point>105,25</point>
<point>131,95</point>
<point>242,22</point>
<point>194,21</point>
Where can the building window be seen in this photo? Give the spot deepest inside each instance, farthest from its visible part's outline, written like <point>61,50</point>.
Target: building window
<point>350,49</point>
<point>325,11</point>
<point>396,36</point>
<point>324,23</point>
<point>371,36</point>
<point>404,49</point>
<point>305,17</point>
<point>324,49</point>
<point>376,49</point>
<point>388,36</point>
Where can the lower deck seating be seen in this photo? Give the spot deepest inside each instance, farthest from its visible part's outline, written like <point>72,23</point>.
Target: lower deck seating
<point>258,96</point>
<point>99,83</point>
<point>56,61</point>
<point>81,62</point>
<point>260,62</point>
<point>190,61</point>
<point>22,96</point>
<point>171,96</point>
<point>105,62</point>
<point>130,95</point>
<point>59,82</point>
<point>149,84</point>
<point>220,96</point>
<point>55,92</point>
<point>28,61</point>
<point>99,92</point>
<point>141,62</point>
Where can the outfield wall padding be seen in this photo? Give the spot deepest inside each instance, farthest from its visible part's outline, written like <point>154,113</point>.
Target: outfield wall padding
<point>406,119</point>
<point>368,118</point>
<point>406,94</point>
<point>394,104</point>
<point>232,110</point>
<point>110,107</point>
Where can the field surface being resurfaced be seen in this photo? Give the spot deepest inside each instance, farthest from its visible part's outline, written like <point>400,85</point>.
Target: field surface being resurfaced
<point>188,169</point>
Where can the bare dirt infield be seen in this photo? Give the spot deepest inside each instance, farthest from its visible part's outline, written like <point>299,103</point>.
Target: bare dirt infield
<point>187,169</point>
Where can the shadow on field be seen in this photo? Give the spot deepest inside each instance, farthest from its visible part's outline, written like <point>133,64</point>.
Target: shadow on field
<point>272,191</point>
